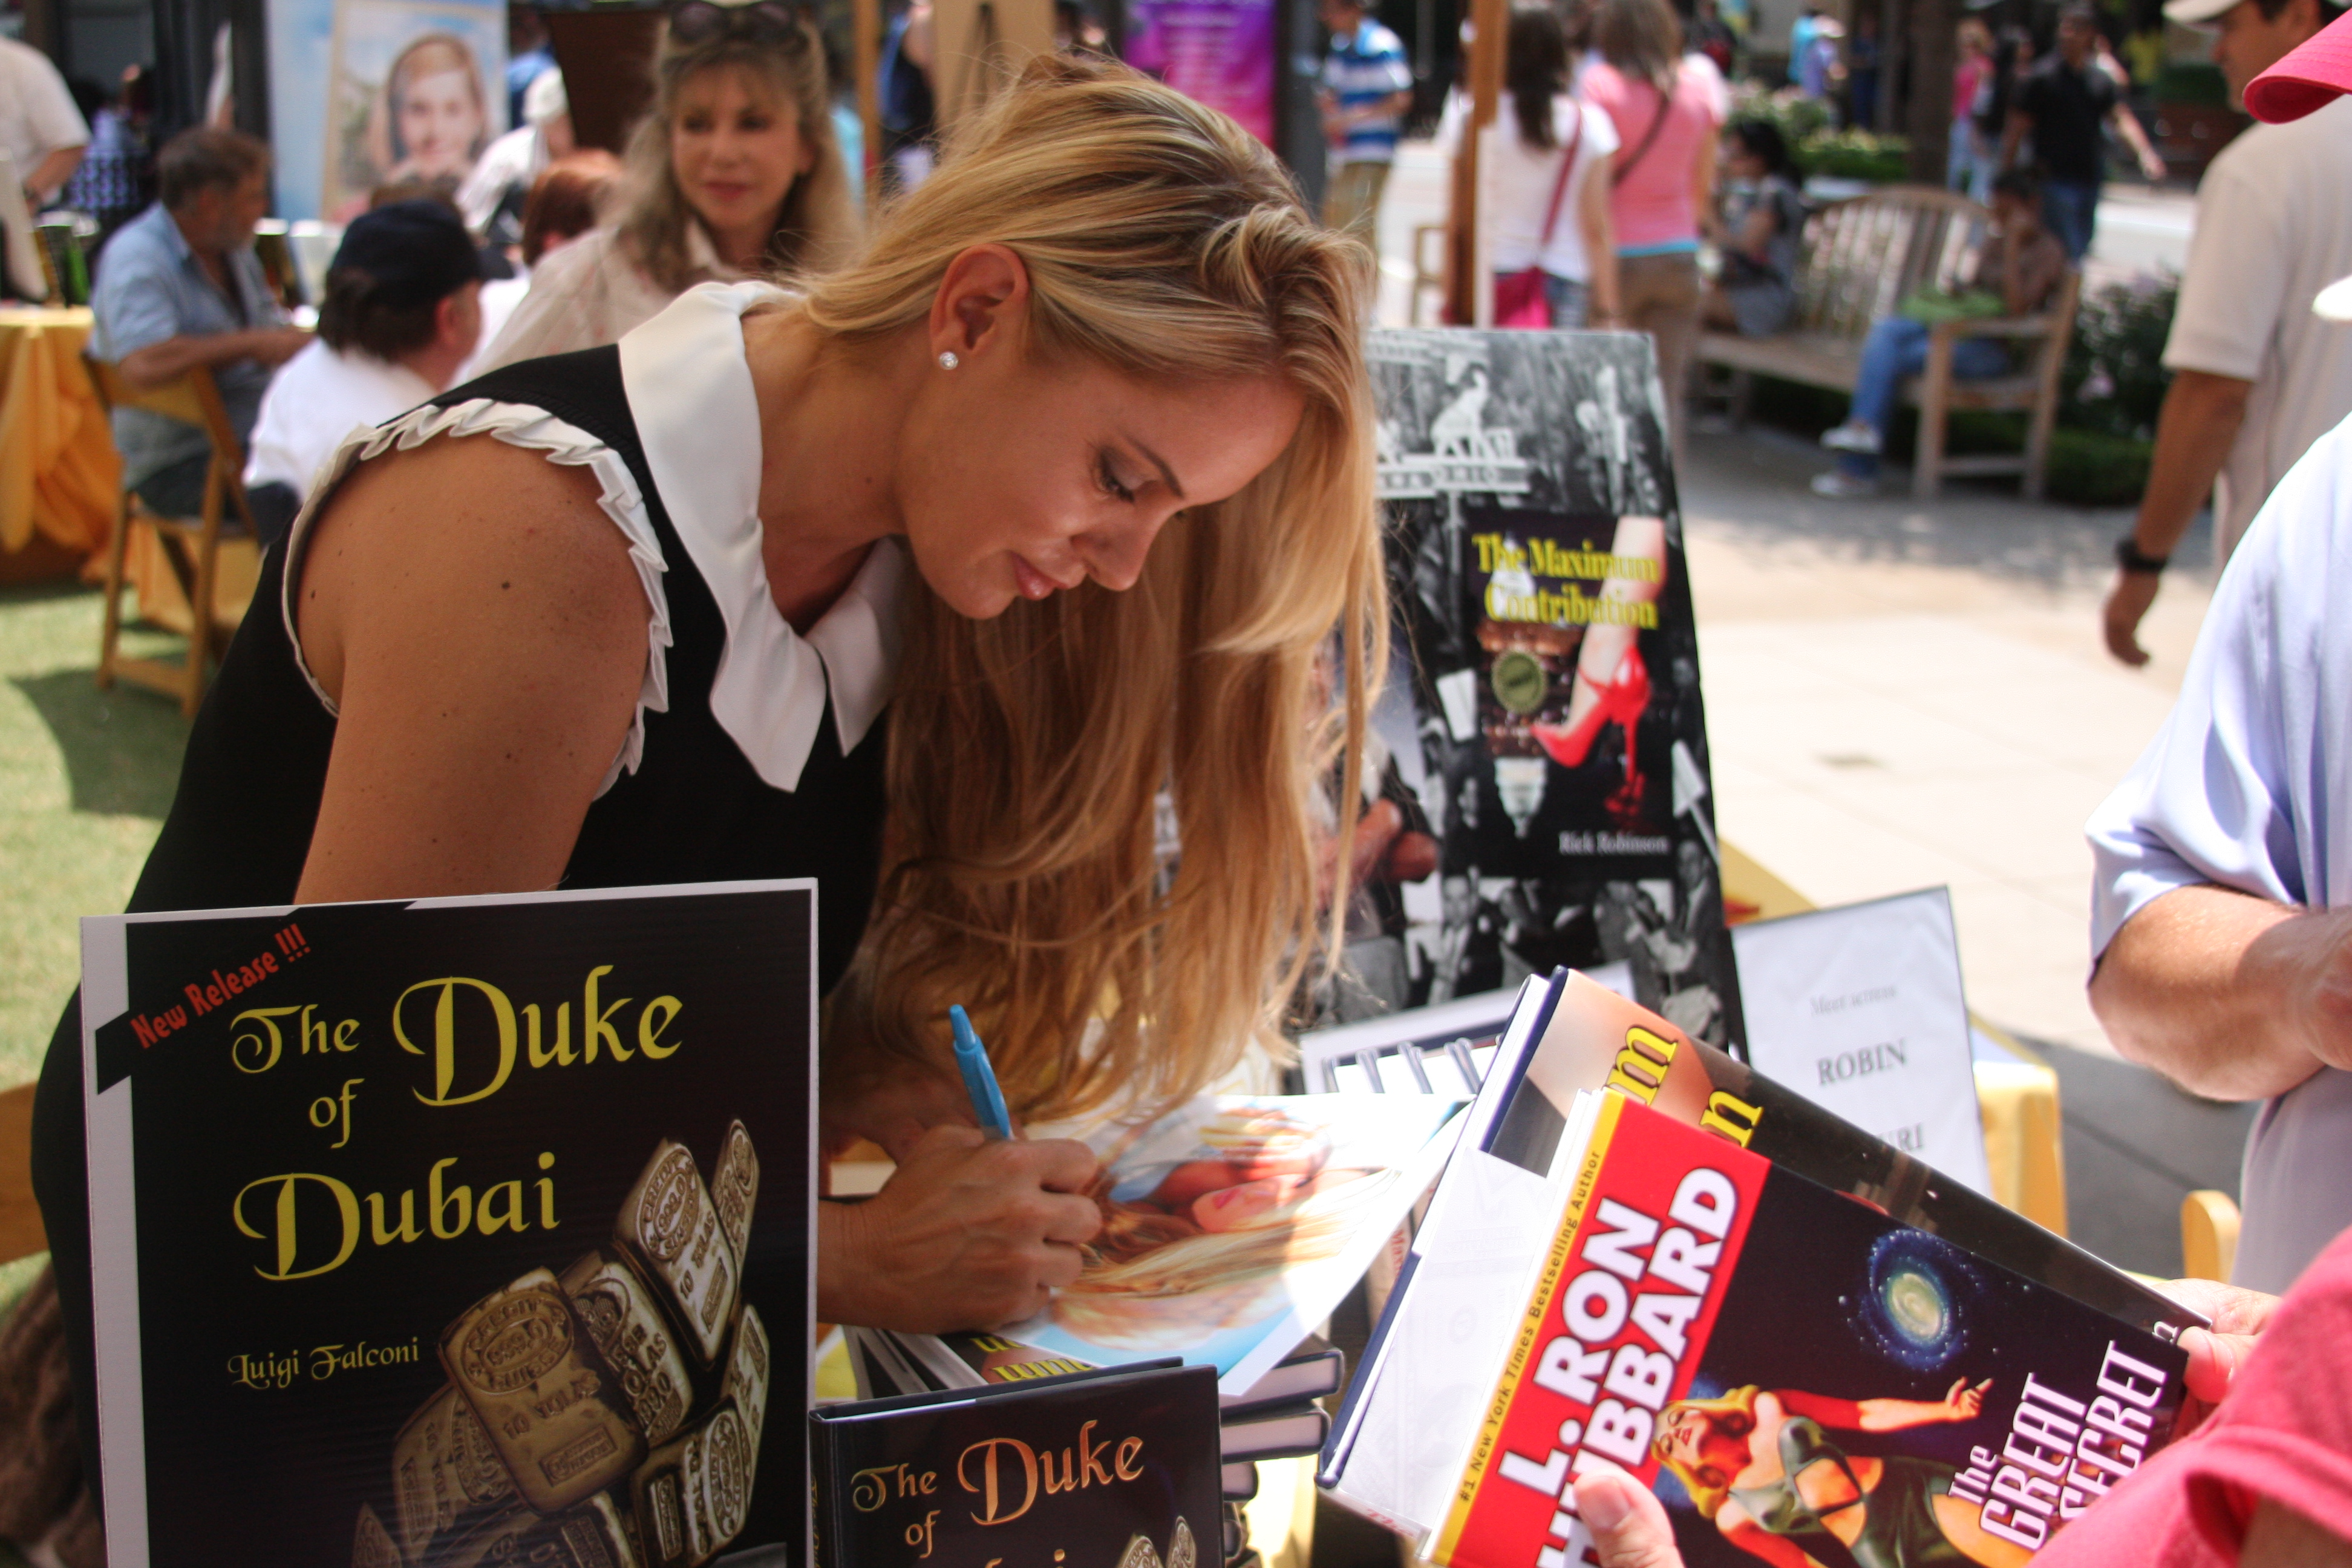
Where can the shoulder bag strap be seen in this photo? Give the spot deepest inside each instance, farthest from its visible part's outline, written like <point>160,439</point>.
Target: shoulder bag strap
<point>1559,184</point>
<point>1649,140</point>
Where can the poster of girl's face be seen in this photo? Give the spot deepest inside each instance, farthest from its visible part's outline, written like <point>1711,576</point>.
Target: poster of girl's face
<point>367,93</point>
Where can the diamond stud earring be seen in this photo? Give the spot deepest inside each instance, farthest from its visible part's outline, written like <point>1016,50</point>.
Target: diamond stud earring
<point>948,361</point>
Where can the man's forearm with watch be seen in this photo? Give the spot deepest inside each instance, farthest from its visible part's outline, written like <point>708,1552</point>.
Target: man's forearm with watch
<point>2194,433</point>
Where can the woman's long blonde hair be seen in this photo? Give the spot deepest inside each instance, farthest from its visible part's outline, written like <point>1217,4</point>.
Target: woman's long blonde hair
<point>1707,1486</point>
<point>1027,752</point>
<point>817,227</point>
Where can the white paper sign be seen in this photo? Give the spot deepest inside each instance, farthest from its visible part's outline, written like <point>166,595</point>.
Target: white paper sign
<point>1860,1009</point>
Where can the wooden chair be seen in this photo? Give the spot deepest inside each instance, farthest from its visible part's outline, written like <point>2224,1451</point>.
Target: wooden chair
<point>1859,260</point>
<point>21,1235</point>
<point>190,547</point>
<point>2208,1236</point>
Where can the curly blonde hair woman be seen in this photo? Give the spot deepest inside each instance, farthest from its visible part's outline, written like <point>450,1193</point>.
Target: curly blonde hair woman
<point>733,173</point>
<point>1071,474</point>
<point>1758,1463</point>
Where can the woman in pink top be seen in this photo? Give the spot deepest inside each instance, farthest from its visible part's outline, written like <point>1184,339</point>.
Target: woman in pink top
<point>1969,163</point>
<point>1667,113</point>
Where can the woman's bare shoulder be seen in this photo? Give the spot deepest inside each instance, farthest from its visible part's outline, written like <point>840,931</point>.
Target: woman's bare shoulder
<point>471,538</point>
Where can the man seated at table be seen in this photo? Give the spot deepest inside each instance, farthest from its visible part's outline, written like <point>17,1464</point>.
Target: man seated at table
<point>403,311</point>
<point>179,286</point>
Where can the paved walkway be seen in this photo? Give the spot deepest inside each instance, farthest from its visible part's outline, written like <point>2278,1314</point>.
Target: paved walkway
<point>1900,695</point>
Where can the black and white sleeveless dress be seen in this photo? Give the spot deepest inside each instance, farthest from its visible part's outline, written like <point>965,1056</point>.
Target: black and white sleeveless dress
<point>754,752</point>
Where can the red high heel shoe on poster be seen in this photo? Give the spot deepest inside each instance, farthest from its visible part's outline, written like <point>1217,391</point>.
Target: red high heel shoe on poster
<point>1621,702</point>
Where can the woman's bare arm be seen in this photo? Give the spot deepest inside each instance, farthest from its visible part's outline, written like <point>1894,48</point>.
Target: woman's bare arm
<point>478,622</point>
<point>1600,232</point>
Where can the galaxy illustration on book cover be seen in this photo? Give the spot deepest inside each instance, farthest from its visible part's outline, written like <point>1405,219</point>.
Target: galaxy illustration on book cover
<point>1536,560</point>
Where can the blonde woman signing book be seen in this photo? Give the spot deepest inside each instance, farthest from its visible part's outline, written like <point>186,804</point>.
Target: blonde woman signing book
<point>1056,492</point>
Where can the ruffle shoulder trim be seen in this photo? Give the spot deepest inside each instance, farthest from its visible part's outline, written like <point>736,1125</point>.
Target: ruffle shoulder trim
<point>535,430</point>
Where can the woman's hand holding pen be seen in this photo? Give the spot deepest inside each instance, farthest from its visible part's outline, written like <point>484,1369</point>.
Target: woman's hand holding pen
<point>970,1233</point>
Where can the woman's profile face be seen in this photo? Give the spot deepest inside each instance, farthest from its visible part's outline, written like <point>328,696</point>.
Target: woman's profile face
<point>440,122</point>
<point>735,149</point>
<point>1700,1444</point>
<point>1017,478</point>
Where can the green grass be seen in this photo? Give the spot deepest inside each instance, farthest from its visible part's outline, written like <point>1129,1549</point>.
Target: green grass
<point>85,778</point>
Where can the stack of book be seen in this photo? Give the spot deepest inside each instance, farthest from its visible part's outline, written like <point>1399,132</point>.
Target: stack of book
<point>1645,1256</point>
<point>1278,1416</point>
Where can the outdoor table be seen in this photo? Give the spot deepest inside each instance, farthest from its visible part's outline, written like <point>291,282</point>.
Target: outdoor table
<point>59,475</point>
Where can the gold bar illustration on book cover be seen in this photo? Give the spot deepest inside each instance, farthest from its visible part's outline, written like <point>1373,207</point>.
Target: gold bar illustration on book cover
<point>735,1188</point>
<point>747,1374</point>
<point>693,1494</point>
<point>372,1545</point>
<point>626,1323</point>
<point>669,1227</point>
<point>553,1410</point>
<point>561,1438</point>
<point>444,1468</point>
<point>593,1535</point>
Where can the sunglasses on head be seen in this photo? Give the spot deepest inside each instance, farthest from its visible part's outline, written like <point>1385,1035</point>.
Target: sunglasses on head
<point>764,21</point>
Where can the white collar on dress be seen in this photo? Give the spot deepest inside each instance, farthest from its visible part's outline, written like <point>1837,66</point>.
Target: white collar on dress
<point>689,390</point>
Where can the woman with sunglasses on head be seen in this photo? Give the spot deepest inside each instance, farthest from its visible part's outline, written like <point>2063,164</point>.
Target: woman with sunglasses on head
<point>733,173</point>
<point>1056,492</point>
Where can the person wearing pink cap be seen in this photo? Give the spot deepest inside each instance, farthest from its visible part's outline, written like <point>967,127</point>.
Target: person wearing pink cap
<point>2257,377</point>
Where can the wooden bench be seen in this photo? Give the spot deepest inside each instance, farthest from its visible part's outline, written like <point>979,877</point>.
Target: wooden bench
<point>1860,259</point>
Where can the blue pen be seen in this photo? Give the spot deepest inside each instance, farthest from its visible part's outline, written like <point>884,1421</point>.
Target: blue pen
<point>980,1078</point>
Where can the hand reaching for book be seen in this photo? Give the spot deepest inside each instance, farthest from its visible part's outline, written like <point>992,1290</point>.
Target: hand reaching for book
<point>969,1233</point>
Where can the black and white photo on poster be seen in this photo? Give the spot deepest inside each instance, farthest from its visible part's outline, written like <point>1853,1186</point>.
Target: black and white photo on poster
<point>1545,716</point>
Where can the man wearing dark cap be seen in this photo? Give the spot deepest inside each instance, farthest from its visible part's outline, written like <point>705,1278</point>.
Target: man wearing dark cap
<point>403,311</point>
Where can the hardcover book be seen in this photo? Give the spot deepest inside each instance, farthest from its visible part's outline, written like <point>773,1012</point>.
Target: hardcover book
<point>1488,1220</point>
<point>1116,1467</point>
<point>1597,1039</point>
<point>478,1226</point>
<point>1537,564</point>
<point>1787,1367</point>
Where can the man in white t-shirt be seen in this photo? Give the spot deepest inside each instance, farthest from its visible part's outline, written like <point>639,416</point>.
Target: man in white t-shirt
<point>403,311</point>
<point>40,129</point>
<point>2256,377</point>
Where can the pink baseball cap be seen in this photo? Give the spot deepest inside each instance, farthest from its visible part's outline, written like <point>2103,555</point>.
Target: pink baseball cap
<point>2313,74</point>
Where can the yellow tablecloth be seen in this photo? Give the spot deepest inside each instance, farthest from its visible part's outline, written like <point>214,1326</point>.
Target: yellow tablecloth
<point>59,473</point>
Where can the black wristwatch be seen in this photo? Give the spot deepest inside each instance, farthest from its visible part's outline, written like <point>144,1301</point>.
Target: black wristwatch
<point>2130,557</point>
